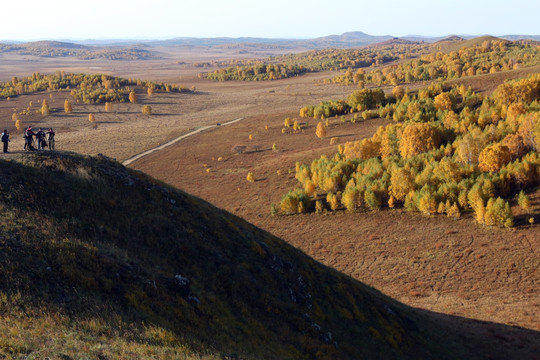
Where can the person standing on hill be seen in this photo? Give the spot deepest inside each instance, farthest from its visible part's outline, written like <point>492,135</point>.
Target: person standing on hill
<point>50,138</point>
<point>28,138</point>
<point>5,140</point>
<point>40,137</point>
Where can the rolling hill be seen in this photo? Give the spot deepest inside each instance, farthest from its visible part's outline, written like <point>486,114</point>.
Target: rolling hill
<point>105,262</point>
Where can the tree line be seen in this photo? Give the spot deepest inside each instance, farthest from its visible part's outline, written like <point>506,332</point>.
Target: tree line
<point>90,89</point>
<point>490,56</point>
<point>284,66</point>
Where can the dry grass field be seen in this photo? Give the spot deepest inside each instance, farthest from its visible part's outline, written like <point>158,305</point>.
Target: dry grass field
<point>433,263</point>
<point>125,131</point>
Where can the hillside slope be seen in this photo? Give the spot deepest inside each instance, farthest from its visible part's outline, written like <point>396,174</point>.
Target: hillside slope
<point>101,261</point>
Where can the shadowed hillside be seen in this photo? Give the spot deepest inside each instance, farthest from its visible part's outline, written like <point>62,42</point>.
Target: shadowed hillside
<point>101,261</point>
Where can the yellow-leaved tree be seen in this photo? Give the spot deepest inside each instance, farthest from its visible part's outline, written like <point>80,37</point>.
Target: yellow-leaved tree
<point>321,130</point>
<point>92,120</point>
<point>67,107</point>
<point>45,108</point>
<point>444,101</point>
<point>132,97</point>
<point>493,157</point>
<point>401,183</point>
<point>418,138</point>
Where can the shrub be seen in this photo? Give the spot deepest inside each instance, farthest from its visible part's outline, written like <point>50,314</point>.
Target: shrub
<point>498,213</point>
<point>290,202</point>
<point>146,110</point>
<point>287,122</point>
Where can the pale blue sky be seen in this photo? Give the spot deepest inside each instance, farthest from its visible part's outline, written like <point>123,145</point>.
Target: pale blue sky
<point>113,19</point>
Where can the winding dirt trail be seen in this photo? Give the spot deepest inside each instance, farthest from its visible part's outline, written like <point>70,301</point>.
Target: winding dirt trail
<point>163,146</point>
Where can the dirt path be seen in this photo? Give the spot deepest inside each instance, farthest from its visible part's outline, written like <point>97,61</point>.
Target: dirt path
<point>160,147</point>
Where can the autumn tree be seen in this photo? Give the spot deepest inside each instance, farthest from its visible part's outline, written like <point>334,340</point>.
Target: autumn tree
<point>498,213</point>
<point>332,200</point>
<point>401,183</point>
<point>151,91</point>
<point>364,99</point>
<point>398,92</point>
<point>132,97</point>
<point>427,203</point>
<point>453,211</point>
<point>67,107</point>
<point>493,157</point>
<point>45,110</point>
<point>363,149</point>
<point>529,129</point>
<point>444,101</point>
<point>418,138</point>
<point>321,130</point>
<point>524,202</point>
<point>290,203</point>
<point>92,120</point>
<point>515,145</point>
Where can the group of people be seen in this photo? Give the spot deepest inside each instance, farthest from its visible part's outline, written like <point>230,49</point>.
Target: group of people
<point>29,135</point>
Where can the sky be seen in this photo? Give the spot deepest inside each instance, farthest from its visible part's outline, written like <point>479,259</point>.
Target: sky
<point>164,19</point>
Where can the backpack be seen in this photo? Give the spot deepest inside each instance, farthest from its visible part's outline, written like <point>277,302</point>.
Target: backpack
<point>5,137</point>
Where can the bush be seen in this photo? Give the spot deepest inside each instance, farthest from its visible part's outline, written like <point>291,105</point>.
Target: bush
<point>147,110</point>
<point>498,213</point>
<point>294,202</point>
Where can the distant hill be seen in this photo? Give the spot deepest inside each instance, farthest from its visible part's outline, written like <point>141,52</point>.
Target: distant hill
<point>48,48</point>
<point>450,38</point>
<point>397,41</point>
<point>455,43</point>
<point>94,253</point>
<point>54,44</point>
<point>349,39</point>
<point>520,37</point>
<point>345,40</point>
